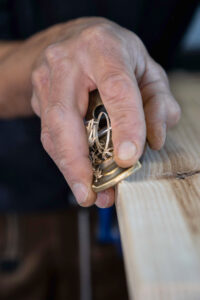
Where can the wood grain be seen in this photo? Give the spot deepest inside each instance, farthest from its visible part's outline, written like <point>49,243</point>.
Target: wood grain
<point>159,209</point>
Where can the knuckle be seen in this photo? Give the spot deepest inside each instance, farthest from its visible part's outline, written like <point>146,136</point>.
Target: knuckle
<point>62,68</point>
<point>66,161</point>
<point>35,106</point>
<point>116,86</point>
<point>69,162</point>
<point>124,121</point>
<point>96,32</point>
<point>159,106</point>
<point>155,108</point>
<point>101,38</point>
<point>161,73</point>
<point>35,77</point>
<point>40,76</point>
<point>46,141</point>
<point>54,118</point>
<point>175,113</point>
<point>53,53</point>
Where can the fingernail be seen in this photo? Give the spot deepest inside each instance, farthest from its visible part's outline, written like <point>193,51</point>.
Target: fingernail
<point>80,192</point>
<point>127,150</point>
<point>102,200</point>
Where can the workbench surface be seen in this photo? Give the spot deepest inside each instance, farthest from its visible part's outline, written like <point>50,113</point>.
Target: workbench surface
<point>159,209</point>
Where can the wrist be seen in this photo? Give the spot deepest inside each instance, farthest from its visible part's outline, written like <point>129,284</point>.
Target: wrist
<point>7,47</point>
<point>15,90</point>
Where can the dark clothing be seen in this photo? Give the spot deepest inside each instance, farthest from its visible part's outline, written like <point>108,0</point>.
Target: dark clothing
<point>159,23</point>
<point>39,258</point>
<point>29,179</point>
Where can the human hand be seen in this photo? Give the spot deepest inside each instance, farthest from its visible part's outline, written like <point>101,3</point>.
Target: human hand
<point>94,53</point>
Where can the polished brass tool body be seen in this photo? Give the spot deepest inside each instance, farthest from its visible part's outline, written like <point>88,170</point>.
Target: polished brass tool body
<point>106,172</point>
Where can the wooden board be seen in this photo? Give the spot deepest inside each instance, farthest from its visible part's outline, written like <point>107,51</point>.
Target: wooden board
<point>159,209</point>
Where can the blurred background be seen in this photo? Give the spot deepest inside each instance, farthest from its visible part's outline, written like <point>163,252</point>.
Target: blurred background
<point>49,247</point>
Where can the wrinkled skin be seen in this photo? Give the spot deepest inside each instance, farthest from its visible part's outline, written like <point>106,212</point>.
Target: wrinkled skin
<point>83,55</point>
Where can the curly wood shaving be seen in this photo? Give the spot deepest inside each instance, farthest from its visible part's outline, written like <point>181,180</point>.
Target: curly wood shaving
<point>100,147</point>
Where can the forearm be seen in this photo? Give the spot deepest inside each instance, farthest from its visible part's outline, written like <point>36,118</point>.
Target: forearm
<point>8,103</point>
<point>17,60</point>
<point>7,47</point>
